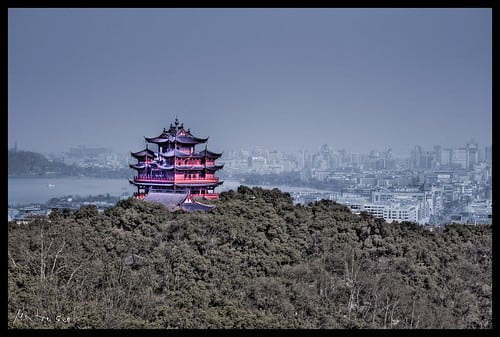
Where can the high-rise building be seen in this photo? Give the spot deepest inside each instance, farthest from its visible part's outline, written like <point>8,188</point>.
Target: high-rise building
<point>472,155</point>
<point>438,152</point>
<point>427,160</point>
<point>355,158</point>
<point>416,157</point>
<point>459,158</point>
<point>487,154</point>
<point>420,159</point>
<point>446,157</point>
<point>176,167</point>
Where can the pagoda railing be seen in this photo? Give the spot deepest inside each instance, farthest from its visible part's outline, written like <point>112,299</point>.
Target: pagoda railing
<point>176,180</point>
<point>195,195</point>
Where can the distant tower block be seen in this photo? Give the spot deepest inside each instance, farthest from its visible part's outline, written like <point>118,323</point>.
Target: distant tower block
<point>176,167</point>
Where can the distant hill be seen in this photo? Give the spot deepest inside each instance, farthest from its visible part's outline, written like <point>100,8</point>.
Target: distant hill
<point>255,261</point>
<point>32,164</point>
<point>25,163</point>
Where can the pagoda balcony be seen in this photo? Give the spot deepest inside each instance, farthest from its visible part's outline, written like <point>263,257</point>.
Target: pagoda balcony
<point>176,180</point>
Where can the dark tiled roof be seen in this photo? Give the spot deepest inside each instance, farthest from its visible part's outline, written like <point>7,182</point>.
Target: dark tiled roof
<point>172,201</point>
<point>215,167</point>
<point>190,140</point>
<point>141,154</point>
<point>150,183</point>
<point>177,201</point>
<point>197,184</point>
<point>139,166</point>
<point>197,206</point>
<point>178,134</point>
<point>209,154</point>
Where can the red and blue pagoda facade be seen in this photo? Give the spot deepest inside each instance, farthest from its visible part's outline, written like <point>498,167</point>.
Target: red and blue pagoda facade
<point>176,166</point>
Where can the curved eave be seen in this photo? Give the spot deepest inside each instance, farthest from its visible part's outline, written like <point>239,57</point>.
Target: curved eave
<point>142,158</point>
<point>166,168</point>
<point>146,183</point>
<point>196,206</point>
<point>190,140</point>
<point>165,136</point>
<point>137,167</point>
<point>202,155</point>
<point>157,140</point>
<point>144,153</point>
<point>215,167</point>
<point>209,154</point>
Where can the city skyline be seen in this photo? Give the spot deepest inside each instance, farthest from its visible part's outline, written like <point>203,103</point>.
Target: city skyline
<point>358,79</point>
<point>225,151</point>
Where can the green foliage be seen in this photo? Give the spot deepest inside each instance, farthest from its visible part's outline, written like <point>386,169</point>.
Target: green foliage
<point>255,261</point>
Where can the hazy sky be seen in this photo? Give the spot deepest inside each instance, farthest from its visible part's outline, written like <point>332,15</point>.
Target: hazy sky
<point>358,79</point>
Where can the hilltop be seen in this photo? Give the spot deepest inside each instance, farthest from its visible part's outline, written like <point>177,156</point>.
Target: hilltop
<point>255,261</point>
<point>33,164</point>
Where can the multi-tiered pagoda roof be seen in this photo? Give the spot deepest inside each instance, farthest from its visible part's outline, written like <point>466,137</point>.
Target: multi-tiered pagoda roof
<point>176,167</point>
<point>176,134</point>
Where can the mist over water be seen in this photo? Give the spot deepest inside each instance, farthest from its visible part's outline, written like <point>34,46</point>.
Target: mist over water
<point>40,190</point>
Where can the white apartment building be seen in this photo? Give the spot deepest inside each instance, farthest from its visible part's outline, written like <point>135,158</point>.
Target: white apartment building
<point>389,212</point>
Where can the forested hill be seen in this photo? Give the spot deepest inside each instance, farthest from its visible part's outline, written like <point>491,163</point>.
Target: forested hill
<point>26,163</point>
<point>255,261</point>
<point>33,164</point>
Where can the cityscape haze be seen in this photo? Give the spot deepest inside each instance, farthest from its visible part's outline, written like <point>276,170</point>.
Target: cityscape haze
<point>286,79</point>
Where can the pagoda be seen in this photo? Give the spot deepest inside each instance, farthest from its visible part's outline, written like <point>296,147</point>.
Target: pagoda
<point>176,167</point>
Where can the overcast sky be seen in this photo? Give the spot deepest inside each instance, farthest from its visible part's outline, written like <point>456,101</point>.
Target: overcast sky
<point>358,79</point>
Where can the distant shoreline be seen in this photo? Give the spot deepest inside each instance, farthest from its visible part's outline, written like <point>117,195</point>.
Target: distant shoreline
<point>39,189</point>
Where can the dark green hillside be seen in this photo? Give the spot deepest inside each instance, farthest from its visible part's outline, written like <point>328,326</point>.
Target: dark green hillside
<point>255,261</point>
